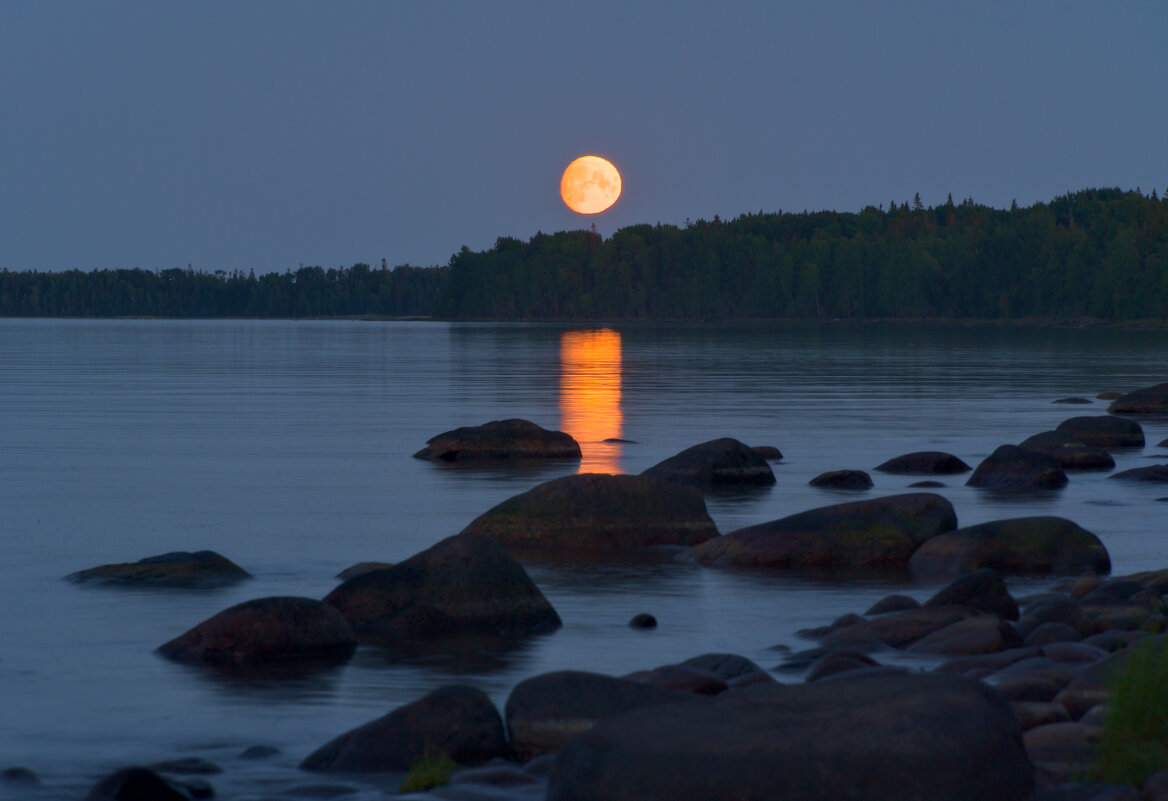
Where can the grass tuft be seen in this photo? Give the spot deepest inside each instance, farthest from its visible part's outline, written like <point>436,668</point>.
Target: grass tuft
<point>432,770</point>
<point>1134,742</point>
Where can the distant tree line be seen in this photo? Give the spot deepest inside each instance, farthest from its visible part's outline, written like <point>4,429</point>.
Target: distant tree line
<point>1098,253</point>
<point>307,292</point>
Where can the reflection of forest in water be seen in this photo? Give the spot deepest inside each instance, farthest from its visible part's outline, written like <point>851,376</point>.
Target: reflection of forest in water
<point>590,396</point>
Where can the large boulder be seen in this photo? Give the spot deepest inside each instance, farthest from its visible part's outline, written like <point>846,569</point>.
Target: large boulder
<point>1021,545</point>
<point>1154,472</point>
<point>597,511</point>
<point>1069,452</point>
<point>981,589</point>
<point>466,584</point>
<point>717,463</point>
<point>924,463</point>
<point>1148,400</point>
<point>459,722</point>
<point>874,734</point>
<point>175,569</point>
<point>1104,431</point>
<point>1011,468</point>
<point>499,439</point>
<point>878,533</point>
<point>266,630</point>
<point>546,711</point>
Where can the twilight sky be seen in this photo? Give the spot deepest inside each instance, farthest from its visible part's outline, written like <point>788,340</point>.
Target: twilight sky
<point>271,133</point>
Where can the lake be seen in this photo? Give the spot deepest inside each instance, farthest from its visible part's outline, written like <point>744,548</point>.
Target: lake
<point>286,446</point>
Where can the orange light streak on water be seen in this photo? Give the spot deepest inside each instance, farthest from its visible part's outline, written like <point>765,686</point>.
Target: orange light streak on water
<point>590,396</point>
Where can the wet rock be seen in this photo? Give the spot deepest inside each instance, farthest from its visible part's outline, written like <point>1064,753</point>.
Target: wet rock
<point>1069,452</point>
<point>719,462</point>
<point>1013,469</point>
<point>643,621</point>
<point>926,485</point>
<point>1021,545</point>
<point>259,752</point>
<point>861,734</point>
<point>893,603</point>
<point>1105,431</point>
<point>187,766</point>
<point>1037,713</point>
<point>1066,743</point>
<point>175,569</point>
<point>982,634</point>
<point>1155,472</point>
<point>981,589</point>
<point>768,452</point>
<point>266,630</point>
<point>899,629</point>
<point>841,661</point>
<point>1054,610</point>
<point>842,479</point>
<point>879,533</point>
<point>496,774</point>
<point>1061,673</point>
<point>1073,653</point>
<point>593,511</point>
<point>1052,632</point>
<point>1109,396</point>
<point>466,584</point>
<point>19,776</point>
<point>499,440</point>
<point>548,710</point>
<point>924,463</point>
<point>362,567</point>
<point>684,678</point>
<point>137,784</point>
<point>733,669</point>
<point>1073,400</point>
<point>1028,688</point>
<point>987,664</point>
<point>458,721</point>
<point>1078,791</point>
<point>1147,400</point>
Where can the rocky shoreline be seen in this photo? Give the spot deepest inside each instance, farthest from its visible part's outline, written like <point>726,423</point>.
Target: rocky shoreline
<point>1014,706</point>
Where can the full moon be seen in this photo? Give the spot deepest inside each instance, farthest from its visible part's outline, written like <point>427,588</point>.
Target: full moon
<point>590,185</point>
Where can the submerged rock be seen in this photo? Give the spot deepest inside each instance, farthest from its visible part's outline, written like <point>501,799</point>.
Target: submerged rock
<point>719,462</point>
<point>597,511</point>
<point>1022,545</point>
<point>266,630</point>
<point>463,584</point>
<point>175,569</point>
<point>1147,400</point>
<point>457,721</point>
<point>1014,469</point>
<point>1104,431</point>
<point>546,711</point>
<point>872,734</point>
<point>842,479</point>
<point>500,440</point>
<point>137,784</point>
<point>924,463</point>
<point>1155,472</point>
<point>879,533</point>
<point>1069,452</point>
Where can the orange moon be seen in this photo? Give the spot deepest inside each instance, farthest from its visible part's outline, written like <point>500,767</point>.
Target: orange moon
<point>590,185</point>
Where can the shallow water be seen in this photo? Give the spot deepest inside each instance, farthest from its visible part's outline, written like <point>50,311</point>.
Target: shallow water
<point>286,446</point>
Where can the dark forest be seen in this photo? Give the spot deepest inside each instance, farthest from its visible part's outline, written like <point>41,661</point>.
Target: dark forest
<point>1095,254</point>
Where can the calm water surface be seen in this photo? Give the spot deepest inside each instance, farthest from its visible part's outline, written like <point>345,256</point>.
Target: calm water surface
<point>286,447</point>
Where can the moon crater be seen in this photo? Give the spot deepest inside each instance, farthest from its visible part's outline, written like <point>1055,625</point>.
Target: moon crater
<point>590,185</point>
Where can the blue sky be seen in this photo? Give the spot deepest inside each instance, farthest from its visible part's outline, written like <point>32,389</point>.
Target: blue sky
<point>260,134</point>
